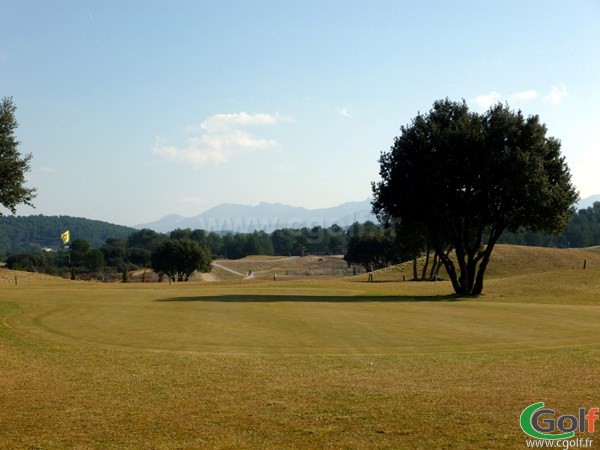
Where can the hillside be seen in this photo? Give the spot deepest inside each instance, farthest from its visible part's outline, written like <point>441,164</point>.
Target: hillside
<point>12,277</point>
<point>513,260</point>
<point>25,233</point>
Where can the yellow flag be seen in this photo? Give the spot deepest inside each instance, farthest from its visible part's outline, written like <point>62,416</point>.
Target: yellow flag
<point>66,237</point>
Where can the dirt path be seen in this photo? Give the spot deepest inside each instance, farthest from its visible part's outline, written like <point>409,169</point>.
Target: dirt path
<point>227,269</point>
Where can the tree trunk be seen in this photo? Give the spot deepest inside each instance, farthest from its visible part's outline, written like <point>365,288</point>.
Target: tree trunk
<point>424,271</point>
<point>450,269</point>
<point>463,283</point>
<point>478,286</point>
<point>440,263</point>
<point>436,267</point>
<point>471,260</point>
<point>415,273</point>
<point>485,259</point>
<point>433,266</point>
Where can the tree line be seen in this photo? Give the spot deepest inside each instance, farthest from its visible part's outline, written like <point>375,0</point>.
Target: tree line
<point>368,246</point>
<point>29,234</point>
<point>583,230</point>
<point>142,249</point>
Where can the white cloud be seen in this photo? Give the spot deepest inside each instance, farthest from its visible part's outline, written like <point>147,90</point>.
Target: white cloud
<point>344,112</point>
<point>236,139</point>
<point>219,140</point>
<point>220,122</point>
<point>557,94</point>
<point>523,96</point>
<point>487,100</point>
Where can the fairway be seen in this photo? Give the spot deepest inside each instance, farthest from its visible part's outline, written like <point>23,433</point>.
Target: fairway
<point>301,318</point>
<point>310,362</point>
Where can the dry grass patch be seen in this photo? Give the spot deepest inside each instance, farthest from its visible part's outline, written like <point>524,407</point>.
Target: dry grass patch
<point>294,266</point>
<point>17,277</point>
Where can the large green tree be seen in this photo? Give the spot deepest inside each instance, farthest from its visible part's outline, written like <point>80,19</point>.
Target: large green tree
<point>464,178</point>
<point>179,258</point>
<point>13,165</point>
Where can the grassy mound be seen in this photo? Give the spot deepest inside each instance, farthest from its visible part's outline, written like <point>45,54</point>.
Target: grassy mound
<point>17,277</point>
<point>511,260</point>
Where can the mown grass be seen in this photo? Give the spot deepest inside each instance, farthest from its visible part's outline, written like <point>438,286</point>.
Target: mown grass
<point>305,363</point>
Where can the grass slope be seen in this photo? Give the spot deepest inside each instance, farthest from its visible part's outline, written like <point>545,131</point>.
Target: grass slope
<point>298,363</point>
<point>512,260</point>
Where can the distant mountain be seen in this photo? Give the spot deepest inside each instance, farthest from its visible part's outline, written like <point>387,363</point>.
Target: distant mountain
<point>26,233</point>
<point>588,201</point>
<point>265,216</point>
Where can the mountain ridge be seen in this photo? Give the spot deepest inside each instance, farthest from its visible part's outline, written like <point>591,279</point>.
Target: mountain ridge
<point>265,216</point>
<point>587,202</point>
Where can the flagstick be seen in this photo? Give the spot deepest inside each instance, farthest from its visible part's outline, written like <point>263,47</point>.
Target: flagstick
<point>71,274</point>
<point>65,238</point>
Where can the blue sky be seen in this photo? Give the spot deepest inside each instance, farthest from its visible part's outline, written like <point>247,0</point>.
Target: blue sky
<point>137,109</point>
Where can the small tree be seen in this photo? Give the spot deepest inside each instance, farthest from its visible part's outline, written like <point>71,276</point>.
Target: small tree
<point>94,260</point>
<point>179,258</point>
<point>114,250</point>
<point>13,166</point>
<point>79,249</point>
<point>464,178</point>
<point>374,250</point>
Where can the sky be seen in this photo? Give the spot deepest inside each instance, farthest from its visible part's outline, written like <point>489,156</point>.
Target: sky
<point>134,109</point>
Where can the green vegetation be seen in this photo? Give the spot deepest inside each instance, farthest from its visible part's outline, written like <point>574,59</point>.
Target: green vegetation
<point>583,230</point>
<point>28,235</point>
<point>32,233</point>
<point>179,258</point>
<point>298,362</point>
<point>13,166</point>
<point>117,256</point>
<point>373,248</point>
<point>461,179</point>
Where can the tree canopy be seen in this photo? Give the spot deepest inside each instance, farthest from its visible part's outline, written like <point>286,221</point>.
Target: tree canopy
<point>13,165</point>
<point>179,258</point>
<point>464,178</point>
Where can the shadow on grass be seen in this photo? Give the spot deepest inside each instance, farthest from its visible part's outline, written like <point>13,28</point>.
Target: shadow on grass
<point>262,298</point>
